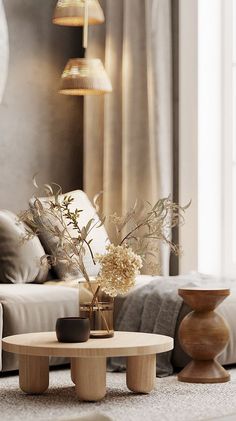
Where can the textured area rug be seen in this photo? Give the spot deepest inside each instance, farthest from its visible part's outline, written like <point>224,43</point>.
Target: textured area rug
<point>170,401</point>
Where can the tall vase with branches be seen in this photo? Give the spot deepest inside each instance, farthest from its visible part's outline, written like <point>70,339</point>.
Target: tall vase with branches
<point>139,234</point>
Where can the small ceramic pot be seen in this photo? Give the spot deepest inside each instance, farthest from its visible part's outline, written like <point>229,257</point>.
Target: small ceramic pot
<point>72,329</point>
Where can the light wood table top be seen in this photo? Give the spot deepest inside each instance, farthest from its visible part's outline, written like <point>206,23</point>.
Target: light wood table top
<point>122,344</point>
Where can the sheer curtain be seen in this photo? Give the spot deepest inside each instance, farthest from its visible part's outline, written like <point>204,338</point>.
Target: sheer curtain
<point>4,50</point>
<point>128,144</point>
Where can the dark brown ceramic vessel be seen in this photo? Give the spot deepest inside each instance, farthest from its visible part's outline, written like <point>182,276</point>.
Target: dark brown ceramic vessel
<point>72,329</point>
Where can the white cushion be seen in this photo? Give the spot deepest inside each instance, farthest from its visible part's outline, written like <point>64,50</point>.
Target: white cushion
<point>98,235</point>
<point>20,261</point>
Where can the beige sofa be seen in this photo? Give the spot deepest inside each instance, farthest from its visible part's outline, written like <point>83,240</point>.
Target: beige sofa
<point>33,308</point>
<point>28,308</point>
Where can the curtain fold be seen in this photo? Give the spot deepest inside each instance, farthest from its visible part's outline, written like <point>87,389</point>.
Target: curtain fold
<point>129,134</point>
<point>4,50</point>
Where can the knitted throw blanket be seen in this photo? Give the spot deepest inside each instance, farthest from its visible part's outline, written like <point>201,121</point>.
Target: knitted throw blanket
<point>153,308</point>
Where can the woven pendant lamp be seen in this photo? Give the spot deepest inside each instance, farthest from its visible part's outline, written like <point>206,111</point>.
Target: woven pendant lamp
<point>83,76</point>
<point>71,13</point>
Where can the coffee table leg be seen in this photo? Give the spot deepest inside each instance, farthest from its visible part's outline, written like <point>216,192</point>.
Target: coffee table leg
<point>72,369</point>
<point>90,378</point>
<point>33,374</point>
<point>141,373</point>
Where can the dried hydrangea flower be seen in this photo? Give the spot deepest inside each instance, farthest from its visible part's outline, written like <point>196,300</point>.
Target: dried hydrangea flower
<point>119,266</point>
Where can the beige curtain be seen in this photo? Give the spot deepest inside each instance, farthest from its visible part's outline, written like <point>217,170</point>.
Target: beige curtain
<point>129,133</point>
<point>4,50</point>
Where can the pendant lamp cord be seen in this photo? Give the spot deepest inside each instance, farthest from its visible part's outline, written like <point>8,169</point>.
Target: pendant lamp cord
<point>85,33</point>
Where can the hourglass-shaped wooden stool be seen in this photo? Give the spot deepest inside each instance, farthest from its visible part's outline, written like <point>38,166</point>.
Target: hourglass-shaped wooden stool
<point>203,335</point>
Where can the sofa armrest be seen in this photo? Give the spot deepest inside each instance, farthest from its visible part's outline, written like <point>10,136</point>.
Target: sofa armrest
<point>33,308</point>
<point>1,331</point>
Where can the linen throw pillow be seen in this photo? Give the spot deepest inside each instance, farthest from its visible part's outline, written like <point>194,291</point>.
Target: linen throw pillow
<point>20,261</point>
<point>98,235</point>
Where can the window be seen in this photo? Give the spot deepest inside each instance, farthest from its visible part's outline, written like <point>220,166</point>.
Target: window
<point>233,69</point>
<point>209,159</point>
<point>208,135</point>
<point>229,139</point>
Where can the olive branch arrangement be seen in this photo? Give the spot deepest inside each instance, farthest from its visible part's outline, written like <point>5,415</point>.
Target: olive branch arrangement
<point>139,234</point>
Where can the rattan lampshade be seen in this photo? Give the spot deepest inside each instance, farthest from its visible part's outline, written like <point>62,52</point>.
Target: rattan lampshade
<point>84,76</point>
<point>71,13</point>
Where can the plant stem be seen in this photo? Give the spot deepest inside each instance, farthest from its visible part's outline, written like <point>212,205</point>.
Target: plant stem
<point>95,300</point>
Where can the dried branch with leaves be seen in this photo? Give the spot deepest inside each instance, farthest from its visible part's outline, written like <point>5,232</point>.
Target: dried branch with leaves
<point>139,234</point>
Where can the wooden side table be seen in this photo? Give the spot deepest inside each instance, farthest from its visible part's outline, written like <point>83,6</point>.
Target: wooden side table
<point>203,335</point>
<point>88,360</point>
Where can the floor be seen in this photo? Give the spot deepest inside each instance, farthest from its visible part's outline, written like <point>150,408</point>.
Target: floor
<point>170,401</point>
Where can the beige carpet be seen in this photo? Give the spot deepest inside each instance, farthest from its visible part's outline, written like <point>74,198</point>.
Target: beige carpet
<point>170,401</point>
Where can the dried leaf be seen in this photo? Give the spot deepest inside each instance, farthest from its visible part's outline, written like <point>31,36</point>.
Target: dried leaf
<point>38,205</point>
<point>34,181</point>
<point>96,199</point>
<point>88,226</point>
<point>48,189</point>
<point>187,206</point>
<point>102,221</point>
<point>83,233</point>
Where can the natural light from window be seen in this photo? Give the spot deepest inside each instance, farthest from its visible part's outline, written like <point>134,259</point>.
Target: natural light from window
<point>217,137</point>
<point>234,127</point>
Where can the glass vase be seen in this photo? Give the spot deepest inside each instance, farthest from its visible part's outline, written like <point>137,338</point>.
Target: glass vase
<point>98,307</point>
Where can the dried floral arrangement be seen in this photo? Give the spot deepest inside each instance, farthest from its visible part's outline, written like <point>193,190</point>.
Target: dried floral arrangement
<point>139,234</point>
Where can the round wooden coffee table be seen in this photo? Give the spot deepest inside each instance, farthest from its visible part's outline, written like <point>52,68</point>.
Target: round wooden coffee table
<point>203,334</point>
<point>88,360</point>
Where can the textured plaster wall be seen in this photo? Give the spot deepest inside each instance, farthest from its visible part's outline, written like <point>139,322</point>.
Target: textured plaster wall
<point>40,130</point>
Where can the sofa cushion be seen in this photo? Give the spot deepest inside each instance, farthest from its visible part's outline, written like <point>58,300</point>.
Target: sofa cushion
<point>98,235</point>
<point>34,308</point>
<point>20,261</point>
